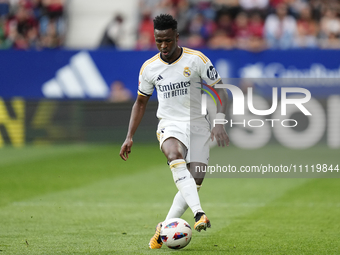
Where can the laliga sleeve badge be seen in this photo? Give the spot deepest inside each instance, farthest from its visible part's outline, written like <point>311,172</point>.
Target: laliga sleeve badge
<point>211,73</point>
<point>186,72</point>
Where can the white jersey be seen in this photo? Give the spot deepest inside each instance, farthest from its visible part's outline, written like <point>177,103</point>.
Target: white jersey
<point>177,84</point>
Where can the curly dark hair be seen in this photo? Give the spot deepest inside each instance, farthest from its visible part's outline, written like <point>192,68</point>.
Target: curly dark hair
<point>164,21</point>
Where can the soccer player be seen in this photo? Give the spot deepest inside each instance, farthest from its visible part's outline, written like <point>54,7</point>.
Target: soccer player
<point>183,132</point>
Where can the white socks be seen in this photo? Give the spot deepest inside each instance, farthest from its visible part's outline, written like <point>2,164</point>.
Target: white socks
<point>187,195</point>
<point>179,206</point>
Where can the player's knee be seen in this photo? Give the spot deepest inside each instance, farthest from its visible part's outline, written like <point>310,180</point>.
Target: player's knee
<point>174,155</point>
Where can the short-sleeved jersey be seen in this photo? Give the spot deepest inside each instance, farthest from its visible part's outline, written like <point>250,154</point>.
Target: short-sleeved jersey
<point>177,84</point>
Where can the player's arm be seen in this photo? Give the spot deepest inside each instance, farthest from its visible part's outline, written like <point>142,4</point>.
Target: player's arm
<point>137,113</point>
<point>218,131</point>
<point>209,74</point>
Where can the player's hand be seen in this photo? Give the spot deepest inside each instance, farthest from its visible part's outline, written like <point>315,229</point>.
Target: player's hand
<point>220,134</point>
<point>125,150</point>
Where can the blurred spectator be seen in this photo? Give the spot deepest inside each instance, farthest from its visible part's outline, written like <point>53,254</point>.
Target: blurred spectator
<point>119,93</point>
<point>145,31</point>
<point>249,32</point>
<point>24,20</point>
<point>184,16</point>
<point>37,8</point>
<point>201,25</point>
<point>144,42</point>
<point>197,24</point>
<point>5,42</point>
<point>195,41</point>
<point>242,31</point>
<point>221,40</point>
<point>33,38</point>
<point>280,28</point>
<point>307,30</point>
<point>11,34</point>
<point>52,23</point>
<point>225,23</point>
<point>50,39</point>
<point>256,40</point>
<point>2,29</point>
<point>330,30</point>
<point>318,8</point>
<point>256,25</point>
<point>113,33</point>
<point>330,23</point>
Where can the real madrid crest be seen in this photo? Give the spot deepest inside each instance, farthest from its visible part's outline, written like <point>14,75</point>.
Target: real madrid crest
<point>186,72</point>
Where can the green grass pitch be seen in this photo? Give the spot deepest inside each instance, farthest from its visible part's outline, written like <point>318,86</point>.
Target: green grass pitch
<point>83,199</point>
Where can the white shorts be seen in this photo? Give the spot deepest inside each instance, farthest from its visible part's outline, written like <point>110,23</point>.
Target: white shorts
<point>195,137</point>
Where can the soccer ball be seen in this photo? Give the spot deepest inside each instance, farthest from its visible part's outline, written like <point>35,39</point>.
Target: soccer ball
<point>176,233</point>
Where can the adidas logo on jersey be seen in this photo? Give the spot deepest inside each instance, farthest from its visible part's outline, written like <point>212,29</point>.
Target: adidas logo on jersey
<point>159,78</point>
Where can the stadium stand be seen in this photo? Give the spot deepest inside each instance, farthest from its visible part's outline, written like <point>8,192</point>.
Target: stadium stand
<point>218,24</point>
<point>247,24</point>
<point>35,24</point>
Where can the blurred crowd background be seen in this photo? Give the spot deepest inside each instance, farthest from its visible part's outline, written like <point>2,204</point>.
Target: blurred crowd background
<point>247,24</point>
<point>252,25</point>
<point>31,24</point>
